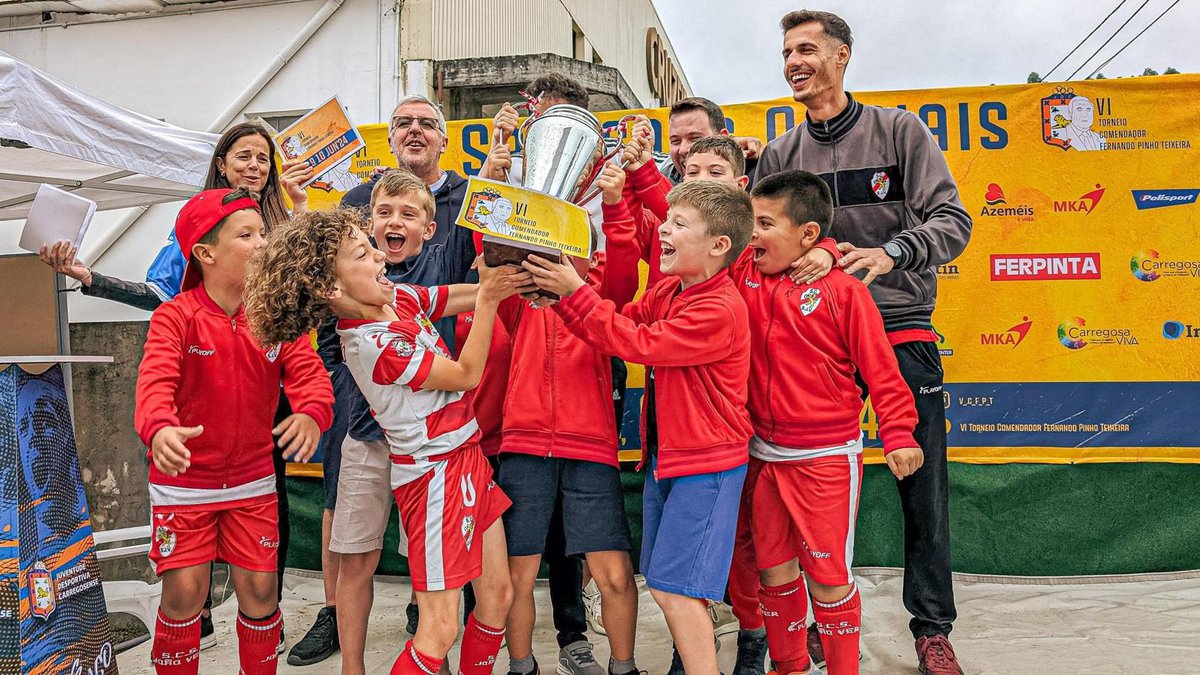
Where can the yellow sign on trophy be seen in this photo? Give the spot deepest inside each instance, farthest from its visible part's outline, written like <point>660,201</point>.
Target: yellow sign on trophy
<point>526,217</point>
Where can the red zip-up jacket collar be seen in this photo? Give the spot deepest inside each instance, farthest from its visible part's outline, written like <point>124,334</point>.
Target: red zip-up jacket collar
<point>807,341</point>
<point>698,341</point>
<point>201,366</point>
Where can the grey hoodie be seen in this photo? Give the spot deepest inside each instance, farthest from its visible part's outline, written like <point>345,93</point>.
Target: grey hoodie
<point>890,183</point>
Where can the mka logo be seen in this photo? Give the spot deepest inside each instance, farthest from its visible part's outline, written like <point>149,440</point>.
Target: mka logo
<point>1156,199</point>
<point>1085,204</point>
<point>1076,333</point>
<point>1011,337</point>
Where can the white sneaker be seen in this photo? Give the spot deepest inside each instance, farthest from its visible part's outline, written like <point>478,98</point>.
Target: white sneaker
<point>591,606</point>
<point>723,620</point>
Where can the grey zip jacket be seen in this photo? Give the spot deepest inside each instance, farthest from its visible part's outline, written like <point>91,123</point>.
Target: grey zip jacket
<point>890,183</point>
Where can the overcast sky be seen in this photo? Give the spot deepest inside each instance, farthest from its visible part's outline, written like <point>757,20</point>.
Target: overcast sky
<point>730,50</point>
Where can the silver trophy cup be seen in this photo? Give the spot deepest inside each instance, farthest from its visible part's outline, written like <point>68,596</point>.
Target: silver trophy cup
<point>564,150</point>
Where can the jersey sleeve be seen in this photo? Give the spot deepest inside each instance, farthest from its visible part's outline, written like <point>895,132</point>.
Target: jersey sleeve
<point>431,300</point>
<point>395,356</point>
<point>306,382</point>
<point>158,373</point>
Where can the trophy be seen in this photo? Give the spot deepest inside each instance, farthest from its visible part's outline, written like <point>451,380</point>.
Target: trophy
<point>564,151</point>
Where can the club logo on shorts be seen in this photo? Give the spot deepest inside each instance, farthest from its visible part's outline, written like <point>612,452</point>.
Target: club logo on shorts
<point>273,352</point>
<point>468,491</point>
<point>41,590</point>
<point>165,538</point>
<point>468,531</point>
<point>880,184</point>
<point>809,300</point>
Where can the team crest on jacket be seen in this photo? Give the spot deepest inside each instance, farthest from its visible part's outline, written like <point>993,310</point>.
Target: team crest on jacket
<point>164,537</point>
<point>880,184</point>
<point>468,531</point>
<point>273,352</point>
<point>809,300</point>
<point>41,590</point>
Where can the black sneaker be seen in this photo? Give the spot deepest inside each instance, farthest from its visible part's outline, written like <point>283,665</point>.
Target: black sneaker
<point>676,663</point>
<point>319,643</point>
<point>414,615</point>
<point>207,637</point>
<point>751,654</point>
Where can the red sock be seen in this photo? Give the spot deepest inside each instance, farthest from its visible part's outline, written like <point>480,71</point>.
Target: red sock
<point>413,662</point>
<point>257,640</point>
<point>839,624</point>
<point>784,609</point>
<point>176,648</point>
<point>480,644</point>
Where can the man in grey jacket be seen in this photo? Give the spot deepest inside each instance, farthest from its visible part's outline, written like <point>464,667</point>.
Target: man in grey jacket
<point>898,216</point>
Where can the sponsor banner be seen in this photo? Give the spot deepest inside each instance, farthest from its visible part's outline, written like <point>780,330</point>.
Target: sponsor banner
<point>1071,189</point>
<point>52,612</point>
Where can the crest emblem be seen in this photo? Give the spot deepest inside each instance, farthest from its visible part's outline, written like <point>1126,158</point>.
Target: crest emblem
<point>403,347</point>
<point>164,538</point>
<point>273,352</point>
<point>468,531</point>
<point>880,184</point>
<point>1056,116</point>
<point>41,591</point>
<point>809,301</point>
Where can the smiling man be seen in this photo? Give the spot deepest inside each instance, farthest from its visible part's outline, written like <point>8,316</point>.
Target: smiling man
<point>898,216</point>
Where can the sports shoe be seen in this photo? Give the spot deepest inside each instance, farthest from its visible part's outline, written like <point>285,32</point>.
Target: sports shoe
<point>319,643</point>
<point>592,607</point>
<point>816,650</point>
<point>281,647</point>
<point>751,654</point>
<point>723,620</point>
<point>577,659</point>
<point>537,670</point>
<point>935,656</point>
<point>208,638</point>
<point>414,616</point>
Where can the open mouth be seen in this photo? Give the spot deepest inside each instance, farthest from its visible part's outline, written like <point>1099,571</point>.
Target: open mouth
<point>668,251</point>
<point>798,78</point>
<point>382,279</point>
<point>415,144</point>
<point>759,253</point>
<point>394,243</point>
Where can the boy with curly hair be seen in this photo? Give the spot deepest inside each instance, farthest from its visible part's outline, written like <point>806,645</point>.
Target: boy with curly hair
<point>322,263</point>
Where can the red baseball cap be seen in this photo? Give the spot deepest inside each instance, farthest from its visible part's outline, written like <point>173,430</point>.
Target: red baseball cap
<point>201,214</point>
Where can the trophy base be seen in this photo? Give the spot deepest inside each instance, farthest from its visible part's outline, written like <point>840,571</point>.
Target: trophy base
<point>499,251</point>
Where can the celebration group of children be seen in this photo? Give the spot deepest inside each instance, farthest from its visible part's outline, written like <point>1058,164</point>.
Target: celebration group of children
<point>751,444</point>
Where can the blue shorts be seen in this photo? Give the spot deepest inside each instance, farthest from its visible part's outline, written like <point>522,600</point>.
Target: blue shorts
<point>688,527</point>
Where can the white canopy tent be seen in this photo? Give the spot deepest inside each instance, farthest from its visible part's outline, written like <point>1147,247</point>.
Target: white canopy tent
<point>53,133</point>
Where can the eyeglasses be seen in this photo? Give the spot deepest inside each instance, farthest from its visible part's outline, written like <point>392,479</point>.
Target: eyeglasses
<point>427,123</point>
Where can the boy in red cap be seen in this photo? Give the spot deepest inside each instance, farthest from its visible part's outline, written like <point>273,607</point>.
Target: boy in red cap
<point>813,346</point>
<point>206,397</point>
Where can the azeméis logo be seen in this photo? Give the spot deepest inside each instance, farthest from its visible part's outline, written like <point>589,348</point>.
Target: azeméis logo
<point>1085,204</point>
<point>1011,337</point>
<point>1173,330</point>
<point>1075,333</point>
<point>996,205</point>
<point>1155,199</point>
<point>1150,265</point>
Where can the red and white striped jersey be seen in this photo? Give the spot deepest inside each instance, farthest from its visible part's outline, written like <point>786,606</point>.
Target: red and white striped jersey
<point>390,362</point>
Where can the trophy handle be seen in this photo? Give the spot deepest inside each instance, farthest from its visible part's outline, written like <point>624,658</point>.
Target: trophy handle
<point>622,126</point>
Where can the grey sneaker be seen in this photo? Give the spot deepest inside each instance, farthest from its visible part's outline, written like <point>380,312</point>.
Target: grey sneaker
<point>723,620</point>
<point>577,659</point>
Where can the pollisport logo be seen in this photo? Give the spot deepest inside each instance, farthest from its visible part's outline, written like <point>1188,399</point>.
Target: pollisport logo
<point>1156,199</point>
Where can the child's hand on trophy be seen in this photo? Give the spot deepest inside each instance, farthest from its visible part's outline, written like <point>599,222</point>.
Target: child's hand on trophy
<point>641,144</point>
<point>612,183</point>
<point>559,277</point>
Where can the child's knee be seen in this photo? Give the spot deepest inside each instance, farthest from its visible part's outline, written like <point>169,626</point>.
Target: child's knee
<point>826,593</point>
<point>781,574</point>
<point>613,580</point>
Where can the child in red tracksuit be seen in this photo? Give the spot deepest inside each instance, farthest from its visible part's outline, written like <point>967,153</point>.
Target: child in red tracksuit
<point>559,446</point>
<point>691,330</point>
<point>206,397</point>
<point>809,343</point>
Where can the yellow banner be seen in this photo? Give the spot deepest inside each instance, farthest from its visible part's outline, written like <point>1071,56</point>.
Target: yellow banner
<point>525,216</point>
<point>1069,329</point>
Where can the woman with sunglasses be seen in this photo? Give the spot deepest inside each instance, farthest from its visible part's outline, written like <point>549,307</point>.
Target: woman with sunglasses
<point>244,158</point>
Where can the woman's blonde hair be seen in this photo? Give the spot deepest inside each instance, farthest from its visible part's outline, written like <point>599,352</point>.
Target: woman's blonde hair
<point>288,286</point>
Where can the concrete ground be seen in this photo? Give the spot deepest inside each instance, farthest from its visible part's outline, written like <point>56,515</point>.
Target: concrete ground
<point>1113,626</point>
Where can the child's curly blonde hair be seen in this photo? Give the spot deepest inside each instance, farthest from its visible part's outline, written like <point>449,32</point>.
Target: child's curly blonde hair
<point>289,284</point>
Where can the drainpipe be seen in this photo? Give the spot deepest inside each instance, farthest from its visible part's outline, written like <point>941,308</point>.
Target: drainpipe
<point>231,111</point>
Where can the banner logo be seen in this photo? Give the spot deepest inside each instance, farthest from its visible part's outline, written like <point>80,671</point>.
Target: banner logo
<point>1085,204</point>
<point>994,195</point>
<point>41,591</point>
<point>1067,120</point>
<point>1156,199</point>
<point>996,205</point>
<point>1075,333</point>
<point>1012,337</point>
<point>1045,266</point>
<point>1149,265</point>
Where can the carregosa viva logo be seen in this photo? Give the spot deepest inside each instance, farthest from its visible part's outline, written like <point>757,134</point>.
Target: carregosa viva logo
<point>1075,333</point>
<point>1149,265</point>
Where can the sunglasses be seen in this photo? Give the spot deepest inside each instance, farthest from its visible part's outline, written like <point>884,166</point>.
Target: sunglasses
<point>426,123</point>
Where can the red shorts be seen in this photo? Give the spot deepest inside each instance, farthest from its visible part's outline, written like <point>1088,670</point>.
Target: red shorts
<point>444,514</point>
<point>806,510</point>
<point>243,533</point>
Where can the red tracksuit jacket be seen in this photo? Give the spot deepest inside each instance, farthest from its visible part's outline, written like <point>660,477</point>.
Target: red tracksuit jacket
<point>698,341</point>
<point>202,367</point>
<point>559,400</point>
<point>807,342</point>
